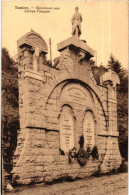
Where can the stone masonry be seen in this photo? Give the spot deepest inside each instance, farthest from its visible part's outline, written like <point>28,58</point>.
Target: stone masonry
<point>59,104</point>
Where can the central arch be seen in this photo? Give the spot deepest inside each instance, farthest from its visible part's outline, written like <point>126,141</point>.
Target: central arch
<point>79,98</point>
<point>57,91</point>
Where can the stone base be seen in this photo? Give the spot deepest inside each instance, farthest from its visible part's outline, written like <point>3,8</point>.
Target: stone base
<point>78,44</point>
<point>112,159</point>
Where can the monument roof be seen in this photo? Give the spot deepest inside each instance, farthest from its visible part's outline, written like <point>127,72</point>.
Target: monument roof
<point>77,43</point>
<point>111,76</point>
<point>32,38</point>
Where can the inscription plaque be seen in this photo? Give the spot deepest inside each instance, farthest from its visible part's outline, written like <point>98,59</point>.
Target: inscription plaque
<point>66,129</point>
<point>77,95</point>
<point>88,130</point>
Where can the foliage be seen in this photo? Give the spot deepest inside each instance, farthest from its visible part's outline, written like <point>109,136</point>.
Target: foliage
<point>72,155</point>
<point>81,141</point>
<point>88,150</point>
<point>10,117</point>
<point>94,153</point>
<point>7,61</point>
<point>122,108</point>
<point>122,73</point>
<point>82,157</point>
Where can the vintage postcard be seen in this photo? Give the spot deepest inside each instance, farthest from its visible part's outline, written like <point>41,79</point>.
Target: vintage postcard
<point>64,97</point>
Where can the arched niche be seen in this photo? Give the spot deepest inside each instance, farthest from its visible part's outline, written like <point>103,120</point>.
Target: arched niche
<point>66,129</point>
<point>89,129</point>
<point>33,39</point>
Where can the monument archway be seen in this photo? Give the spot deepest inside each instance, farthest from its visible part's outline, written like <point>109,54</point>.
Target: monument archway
<point>82,105</point>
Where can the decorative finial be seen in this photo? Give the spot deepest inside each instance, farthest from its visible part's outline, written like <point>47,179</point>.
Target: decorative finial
<point>76,22</point>
<point>32,30</point>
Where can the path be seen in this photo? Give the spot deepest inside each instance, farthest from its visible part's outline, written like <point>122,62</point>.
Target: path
<point>109,184</point>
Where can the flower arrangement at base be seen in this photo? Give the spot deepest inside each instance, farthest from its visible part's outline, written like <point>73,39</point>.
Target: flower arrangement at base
<point>82,156</point>
<point>94,153</point>
<point>72,155</point>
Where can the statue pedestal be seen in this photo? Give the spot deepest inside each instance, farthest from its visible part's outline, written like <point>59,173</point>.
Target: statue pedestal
<point>77,46</point>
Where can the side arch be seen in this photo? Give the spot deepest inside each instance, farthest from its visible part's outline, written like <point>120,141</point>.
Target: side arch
<point>66,122</point>
<point>32,38</point>
<point>89,129</point>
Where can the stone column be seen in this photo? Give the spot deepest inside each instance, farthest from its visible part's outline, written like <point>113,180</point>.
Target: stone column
<point>35,58</point>
<point>31,96</point>
<point>112,158</point>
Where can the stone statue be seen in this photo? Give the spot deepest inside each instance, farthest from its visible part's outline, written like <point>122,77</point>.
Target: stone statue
<point>76,22</point>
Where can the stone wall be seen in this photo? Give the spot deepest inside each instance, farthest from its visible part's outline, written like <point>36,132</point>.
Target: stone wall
<point>54,102</point>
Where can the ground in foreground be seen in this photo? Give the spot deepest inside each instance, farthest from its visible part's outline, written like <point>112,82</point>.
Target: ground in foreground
<point>116,184</point>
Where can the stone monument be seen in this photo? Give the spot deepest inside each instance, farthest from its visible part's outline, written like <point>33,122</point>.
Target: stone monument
<point>68,123</point>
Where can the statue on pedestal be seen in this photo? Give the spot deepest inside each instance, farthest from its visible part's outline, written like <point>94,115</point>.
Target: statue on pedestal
<point>76,22</point>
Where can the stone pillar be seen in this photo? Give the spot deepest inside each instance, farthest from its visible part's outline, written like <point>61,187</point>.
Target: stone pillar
<point>35,58</point>
<point>112,110</point>
<point>31,96</point>
<point>112,158</point>
<point>75,56</point>
<point>80,48</point>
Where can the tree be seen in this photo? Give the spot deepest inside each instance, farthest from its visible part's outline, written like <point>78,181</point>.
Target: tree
<point>122,109</point>
<point>10,116</point>
<point>7,61</point>
<point>122,73</point>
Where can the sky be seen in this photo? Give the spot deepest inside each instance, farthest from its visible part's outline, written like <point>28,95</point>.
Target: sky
<point>104,25</point>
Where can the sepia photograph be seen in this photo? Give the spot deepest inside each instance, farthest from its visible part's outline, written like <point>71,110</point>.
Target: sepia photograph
<point>64,97</point>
